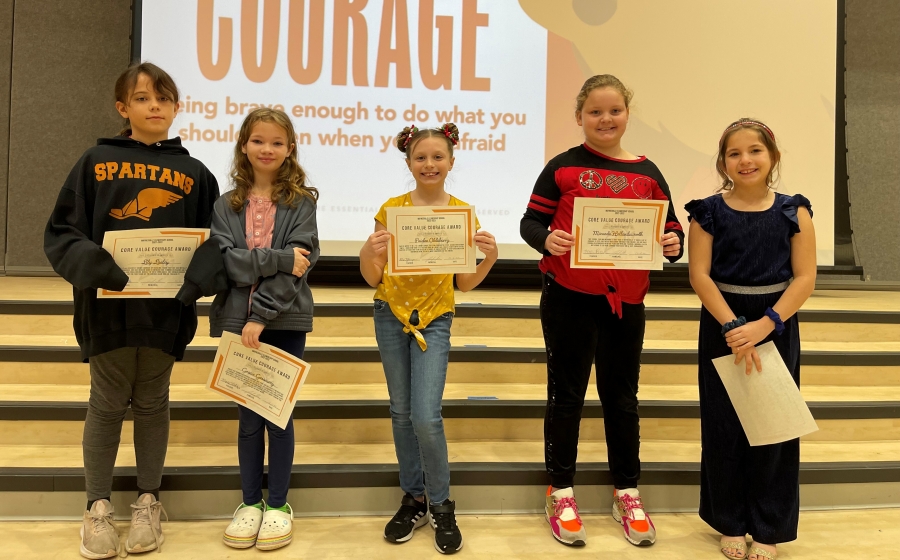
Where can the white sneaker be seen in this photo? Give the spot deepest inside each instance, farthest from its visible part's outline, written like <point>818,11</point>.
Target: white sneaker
<point>277,529</point>
<point>244,527</point>
<point>99,534</point>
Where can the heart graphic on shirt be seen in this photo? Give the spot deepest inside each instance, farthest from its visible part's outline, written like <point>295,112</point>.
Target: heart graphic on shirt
<point>642,187</point>
<point>616,183</point>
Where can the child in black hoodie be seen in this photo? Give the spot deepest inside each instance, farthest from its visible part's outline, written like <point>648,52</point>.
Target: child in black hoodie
<point>139,179</point>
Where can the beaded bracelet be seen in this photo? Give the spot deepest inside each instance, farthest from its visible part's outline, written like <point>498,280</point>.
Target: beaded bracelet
<point>776,318</point>
<point>739,322</point>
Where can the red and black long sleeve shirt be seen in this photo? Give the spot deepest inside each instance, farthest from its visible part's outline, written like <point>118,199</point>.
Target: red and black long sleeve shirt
<point>582,171</point>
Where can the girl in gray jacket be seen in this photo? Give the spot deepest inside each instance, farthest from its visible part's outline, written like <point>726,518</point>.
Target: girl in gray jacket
<point>266,230</point>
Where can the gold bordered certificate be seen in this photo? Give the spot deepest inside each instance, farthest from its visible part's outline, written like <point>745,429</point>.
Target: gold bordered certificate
<point>618,234</point>
<point>431,240</point>
<point>265,380</point>
<point>154,259</point>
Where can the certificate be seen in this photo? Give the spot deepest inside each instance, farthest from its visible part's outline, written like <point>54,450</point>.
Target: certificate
<point>618,234</point>
<point>768,402</point>
<point>154,259</point>
<point>431,240</point>
<point>265,380</point>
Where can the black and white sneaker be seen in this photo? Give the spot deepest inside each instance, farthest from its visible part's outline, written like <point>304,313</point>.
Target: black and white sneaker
<point>447,538</point>
<point>409,517</point>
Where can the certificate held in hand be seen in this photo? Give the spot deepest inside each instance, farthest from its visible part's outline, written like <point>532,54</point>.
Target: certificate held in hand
<point>431,240</point>
<point>768,402</point>
<point>155,260</point>
<point>612,233</point>
<point>265,380</point>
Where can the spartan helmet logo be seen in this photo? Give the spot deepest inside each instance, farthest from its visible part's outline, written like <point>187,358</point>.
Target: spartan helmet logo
<point>590,180</point>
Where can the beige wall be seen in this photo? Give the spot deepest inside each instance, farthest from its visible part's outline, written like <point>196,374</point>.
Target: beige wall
<point>65,60</point>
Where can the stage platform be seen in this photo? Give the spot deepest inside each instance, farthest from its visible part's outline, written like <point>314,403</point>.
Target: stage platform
<point>493,405</point>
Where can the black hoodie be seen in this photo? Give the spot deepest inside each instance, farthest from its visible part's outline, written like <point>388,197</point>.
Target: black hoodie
<point>123,184</point>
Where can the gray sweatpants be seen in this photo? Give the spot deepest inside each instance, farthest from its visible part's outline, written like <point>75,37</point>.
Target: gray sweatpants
<point>139,377</point>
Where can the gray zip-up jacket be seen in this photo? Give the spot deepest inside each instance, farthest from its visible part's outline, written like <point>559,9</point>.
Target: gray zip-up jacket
<point>281,300</point>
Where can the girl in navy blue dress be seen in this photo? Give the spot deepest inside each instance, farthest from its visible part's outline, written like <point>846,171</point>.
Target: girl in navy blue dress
<point>753,264</point>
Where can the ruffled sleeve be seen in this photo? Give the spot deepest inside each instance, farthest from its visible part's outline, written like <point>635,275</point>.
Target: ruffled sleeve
<point>701,212</point>
<point>789,209</point>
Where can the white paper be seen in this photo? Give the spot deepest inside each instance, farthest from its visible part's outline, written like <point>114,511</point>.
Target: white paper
<point>768,403</point>
<point>265,380</point>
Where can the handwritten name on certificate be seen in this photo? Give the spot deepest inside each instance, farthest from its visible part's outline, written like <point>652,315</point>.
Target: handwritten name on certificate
<point>431,240</point>
<point>265,380</point>
<point>155,260</point>
<point>619,234</point>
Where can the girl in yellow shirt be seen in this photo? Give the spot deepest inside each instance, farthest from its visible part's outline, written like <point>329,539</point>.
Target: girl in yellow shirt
<point>412,325</point>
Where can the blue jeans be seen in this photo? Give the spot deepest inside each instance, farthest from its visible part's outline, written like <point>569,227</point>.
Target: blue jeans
<point>252,430</point>
<point>415,381</point>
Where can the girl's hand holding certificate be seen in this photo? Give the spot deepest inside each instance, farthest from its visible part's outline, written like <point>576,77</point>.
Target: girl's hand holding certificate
<point>486,244</point>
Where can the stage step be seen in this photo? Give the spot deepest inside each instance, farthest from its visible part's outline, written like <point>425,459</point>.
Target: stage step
<point>76,373</point>
<point>493,404</point>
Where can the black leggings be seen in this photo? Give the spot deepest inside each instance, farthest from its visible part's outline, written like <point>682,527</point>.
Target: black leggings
<point>579,329</point>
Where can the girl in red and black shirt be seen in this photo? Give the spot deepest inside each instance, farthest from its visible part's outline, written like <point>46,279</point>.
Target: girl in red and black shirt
<point>594,315</point>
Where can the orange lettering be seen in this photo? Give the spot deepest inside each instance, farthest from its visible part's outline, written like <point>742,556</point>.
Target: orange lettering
<point>310,73</point>
<point>443,76</point>
<point>471,21</point>
<point>166,176</point>
<point>100,171</point>
<point>111,168</point>
<point>188,183</point>
<point>271,22</point>
<point>344,12</point>
<point>126,170</point>
<point>393,17</point>
<point>140,171</point>
<point>153,169</point>
<point>213,70</point>
<point>179,180</point>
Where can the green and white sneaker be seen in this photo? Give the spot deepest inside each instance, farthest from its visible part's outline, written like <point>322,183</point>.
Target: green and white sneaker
<point>99,534</point>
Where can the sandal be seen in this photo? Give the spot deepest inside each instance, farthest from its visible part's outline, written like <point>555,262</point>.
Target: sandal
<point>735,545</point>
<point>761,553</point>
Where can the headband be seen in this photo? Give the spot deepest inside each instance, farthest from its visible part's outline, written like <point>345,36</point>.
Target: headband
<point>452,135</point>
<point>743,122</point>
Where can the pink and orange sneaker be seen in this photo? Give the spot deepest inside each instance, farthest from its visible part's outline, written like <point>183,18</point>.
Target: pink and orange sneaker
<point>562,515</point>
<point>628,510</point>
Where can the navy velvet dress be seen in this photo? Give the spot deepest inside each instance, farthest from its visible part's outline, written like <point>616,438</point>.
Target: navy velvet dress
<point>743,489</point>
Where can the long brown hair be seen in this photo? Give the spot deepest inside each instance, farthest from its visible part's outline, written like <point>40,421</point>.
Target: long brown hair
<point>766,137</point>
<point>161,81</point>
<point>290,185</point>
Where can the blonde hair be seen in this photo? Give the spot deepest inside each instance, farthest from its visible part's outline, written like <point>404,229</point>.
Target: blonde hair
<point>766,136</point>
<point>290,185</point>
<point>602,81</point>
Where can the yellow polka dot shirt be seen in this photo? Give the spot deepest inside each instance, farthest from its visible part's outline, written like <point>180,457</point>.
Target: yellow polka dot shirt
<point>430,294</point>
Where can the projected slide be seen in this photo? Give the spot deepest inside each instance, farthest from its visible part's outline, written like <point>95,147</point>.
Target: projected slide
<point>353,73</point>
